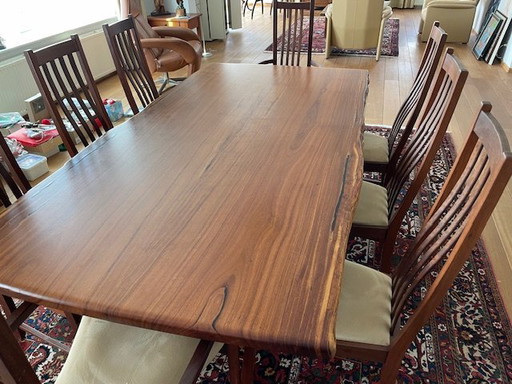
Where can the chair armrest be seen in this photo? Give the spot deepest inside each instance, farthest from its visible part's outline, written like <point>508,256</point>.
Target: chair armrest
<point>328,11</point>
<point>173,44</point>
<point>451,4</point>
<point>178,32</point>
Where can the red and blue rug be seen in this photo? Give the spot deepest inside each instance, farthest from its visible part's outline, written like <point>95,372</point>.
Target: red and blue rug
<point>467,340</point>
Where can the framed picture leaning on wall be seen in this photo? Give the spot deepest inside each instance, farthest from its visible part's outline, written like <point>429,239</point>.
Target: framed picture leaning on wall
<point>498,39</point>
<point>486,36</point>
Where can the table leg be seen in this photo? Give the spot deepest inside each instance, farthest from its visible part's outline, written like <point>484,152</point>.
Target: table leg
<point>198,28</point>
<point>234,364</point>
<point>246,374</point>
<point>248,365</point>
<point>14,366</point>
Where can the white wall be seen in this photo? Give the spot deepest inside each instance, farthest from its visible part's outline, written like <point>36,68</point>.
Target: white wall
<point>17,83</point>
<point>506,8</point>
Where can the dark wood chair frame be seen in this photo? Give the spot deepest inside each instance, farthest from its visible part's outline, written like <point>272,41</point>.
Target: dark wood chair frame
<point>13,176</point>
<point>410,110</point>
<point>58,70</point>
<point>449,233</point>
<point>422,147</point>
<point>131,66</point>
<point>291,32</point>
<point>17,314</point>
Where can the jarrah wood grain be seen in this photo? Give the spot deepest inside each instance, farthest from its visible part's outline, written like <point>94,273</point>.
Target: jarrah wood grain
<point>221,211</point>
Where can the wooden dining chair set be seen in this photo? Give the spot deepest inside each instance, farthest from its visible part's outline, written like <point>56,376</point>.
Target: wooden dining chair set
<point>370,322</point>
<point>375,320</point>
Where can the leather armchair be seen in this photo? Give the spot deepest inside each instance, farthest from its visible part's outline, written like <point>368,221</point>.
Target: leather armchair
<point>456,17</point>
<point>167,49</point>
<point>355,24</point>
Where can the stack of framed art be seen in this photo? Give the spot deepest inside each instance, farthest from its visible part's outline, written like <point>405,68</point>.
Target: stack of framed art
<point>491,36</point>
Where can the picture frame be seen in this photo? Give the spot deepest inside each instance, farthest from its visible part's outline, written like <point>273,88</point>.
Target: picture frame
<point>485,38</point>
<point>500,35</point>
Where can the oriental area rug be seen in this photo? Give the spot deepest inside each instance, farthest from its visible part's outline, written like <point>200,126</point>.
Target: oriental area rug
<point>467,340</point>
<point>389,40</point>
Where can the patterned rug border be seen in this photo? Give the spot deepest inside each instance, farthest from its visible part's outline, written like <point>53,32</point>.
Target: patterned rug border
<point>390,46</point>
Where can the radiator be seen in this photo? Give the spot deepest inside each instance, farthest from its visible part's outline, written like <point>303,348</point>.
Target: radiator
<point>17,83</point>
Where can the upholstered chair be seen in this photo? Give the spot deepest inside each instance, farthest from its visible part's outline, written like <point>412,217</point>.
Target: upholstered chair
<point>355,24</point>
<point>456,17</point>
<point>167,49</point>
<point>107,352</point>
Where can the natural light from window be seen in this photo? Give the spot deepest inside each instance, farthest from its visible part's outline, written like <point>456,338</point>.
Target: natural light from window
<point>23,21</point>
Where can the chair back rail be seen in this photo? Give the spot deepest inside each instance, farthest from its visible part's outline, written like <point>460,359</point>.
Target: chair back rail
<point>435,257</point>
<point>131,66</point>
<point>423,144</point>
<point>66,83</point>
<point>288,20</point>
<point>411,107</point>
<point>452,228</point>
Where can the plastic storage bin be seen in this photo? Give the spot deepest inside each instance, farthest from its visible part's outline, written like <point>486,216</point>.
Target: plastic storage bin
<point>33,166</point>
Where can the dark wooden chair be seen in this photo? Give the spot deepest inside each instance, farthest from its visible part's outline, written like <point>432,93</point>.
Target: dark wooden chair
<point>12,176</point>
<point>370,324</point>
<point>131,66</point>
<point>109,352</point>
<point>288,21</point>
<point>16,314</point>
<point>381,209</point>
<point>380,151</point>
<point>245,5</point>
<point>66,84</point>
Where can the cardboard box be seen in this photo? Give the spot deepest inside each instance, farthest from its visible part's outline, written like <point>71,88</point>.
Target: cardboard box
<point>33,166</point>
<point>47,149</point>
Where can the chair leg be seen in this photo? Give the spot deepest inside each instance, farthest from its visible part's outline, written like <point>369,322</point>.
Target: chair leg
<point>254,6</point>
<point>164,84</point>
<point>381,34</point>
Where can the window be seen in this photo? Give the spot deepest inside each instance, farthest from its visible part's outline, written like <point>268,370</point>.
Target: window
<point>34,23</point>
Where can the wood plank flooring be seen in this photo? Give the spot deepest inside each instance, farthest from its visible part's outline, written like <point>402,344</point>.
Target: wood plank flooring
<point>390,79</point>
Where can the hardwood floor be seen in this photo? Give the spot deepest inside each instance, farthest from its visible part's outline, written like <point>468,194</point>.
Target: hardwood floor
<point>390,79</point>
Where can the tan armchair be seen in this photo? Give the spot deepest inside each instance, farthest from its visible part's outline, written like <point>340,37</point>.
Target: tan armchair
<point>167,49</point>
<point>355,24</point>
<point>456,17</point>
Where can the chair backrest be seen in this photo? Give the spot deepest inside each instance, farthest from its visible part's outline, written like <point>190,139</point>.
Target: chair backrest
<point>144,30</point>
<point>66,84</point>
<point>453,226</point>
<point>425,141</point>
<point>131,66</point>
<point>293,28</point>
<point>411,107</point>
<point>13,175</point>
<point>355,24</point>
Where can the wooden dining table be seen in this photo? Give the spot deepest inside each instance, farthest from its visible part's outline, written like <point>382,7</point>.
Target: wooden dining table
<point>221,211</point>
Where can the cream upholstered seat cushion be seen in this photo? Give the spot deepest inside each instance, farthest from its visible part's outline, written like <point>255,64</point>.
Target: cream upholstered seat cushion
<point>106,352</point>
<point>364,310</point>
<point>372,207</point>
<point>375,148</point>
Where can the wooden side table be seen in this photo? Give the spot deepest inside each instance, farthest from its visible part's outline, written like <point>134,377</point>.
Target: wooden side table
<point>191,21</point>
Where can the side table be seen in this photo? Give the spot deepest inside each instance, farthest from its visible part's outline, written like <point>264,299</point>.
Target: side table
<point>191,21</point>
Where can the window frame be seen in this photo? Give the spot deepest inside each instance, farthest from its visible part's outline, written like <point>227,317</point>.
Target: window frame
<point>11,54</point>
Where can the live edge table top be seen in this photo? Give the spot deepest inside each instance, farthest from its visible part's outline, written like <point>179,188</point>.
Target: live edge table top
<point>221,211</point>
